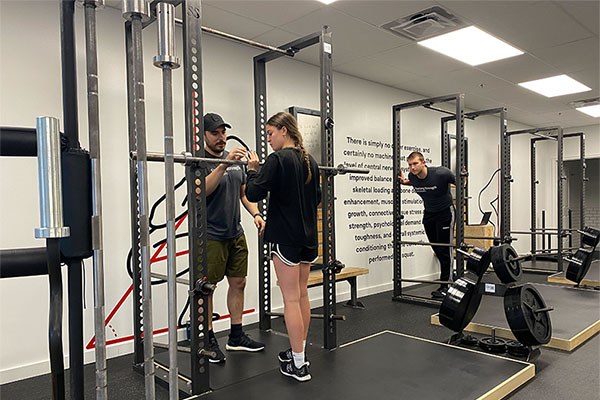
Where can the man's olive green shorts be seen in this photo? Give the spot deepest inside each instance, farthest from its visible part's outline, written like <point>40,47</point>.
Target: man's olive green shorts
<point>227,258</point>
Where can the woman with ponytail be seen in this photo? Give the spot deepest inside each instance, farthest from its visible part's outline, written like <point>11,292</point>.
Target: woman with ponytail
<point>290,176</point>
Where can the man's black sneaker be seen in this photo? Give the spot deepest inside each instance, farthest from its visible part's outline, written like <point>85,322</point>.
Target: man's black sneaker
<point>213,346</point>
<point>300,374</point>
<point>244,343</point>
<point>286,356</point>
<point>439,293</point>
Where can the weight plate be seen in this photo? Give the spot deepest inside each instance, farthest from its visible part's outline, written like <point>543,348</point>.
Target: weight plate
<point>516,349</point>
<point>591,236</point>
<point>490,345</point>
<point>478,262</point>
<point>579,265</point>
<point>507,267</point>
<point>469,340</point>
<point>530,326</point>
<point>460,303</point>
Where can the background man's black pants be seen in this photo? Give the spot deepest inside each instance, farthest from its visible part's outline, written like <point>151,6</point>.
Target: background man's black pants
<point>439,227</point>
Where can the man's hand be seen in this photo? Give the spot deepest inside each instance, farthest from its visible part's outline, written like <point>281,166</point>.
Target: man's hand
<point>402,179</point>
<point>236,154</point>
<point>253,161</point>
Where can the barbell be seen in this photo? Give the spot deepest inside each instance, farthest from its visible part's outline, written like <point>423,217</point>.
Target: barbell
<point>423,243</point>
<point>187,159</point>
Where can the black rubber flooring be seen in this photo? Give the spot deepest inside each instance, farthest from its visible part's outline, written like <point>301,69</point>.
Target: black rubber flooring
<point>593,273</point>
<point>240,365</point>
<point>543,265</point>
<point>559,375</point>
<point>575,309</point>
<point>422,291</point>
<point>384,366</point>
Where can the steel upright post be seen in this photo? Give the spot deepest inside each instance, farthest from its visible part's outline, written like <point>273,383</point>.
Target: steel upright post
<point>196,186</point>
<point>167,61</point>
<point>94,143</point>
<point>136,12</point>
<point>328,197</point>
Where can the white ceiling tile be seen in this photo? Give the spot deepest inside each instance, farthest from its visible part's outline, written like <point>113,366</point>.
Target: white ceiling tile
<point>478,103</point>
<point>311,55</point>
<point>589,77</point>
<point>276,37</point>
<point>216,18</point>
<point>428,87</point>
<point>524,24</point>
<point>586,12</point>
<point>381,12</point>
<point>568,117</point>
<point>419,60</point>
<point>471,79</point>
<point>348,33</point>
<point>367,69</point>
<point>522,98</point>
<point>518,69</point>
<point>571,56</point>
<point>275,13</point>
<point>557,36</point>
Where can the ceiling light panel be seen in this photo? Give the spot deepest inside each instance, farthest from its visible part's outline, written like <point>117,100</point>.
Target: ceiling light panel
<point>593,110</point>
<point>471,45</point>
<point>553,86</point>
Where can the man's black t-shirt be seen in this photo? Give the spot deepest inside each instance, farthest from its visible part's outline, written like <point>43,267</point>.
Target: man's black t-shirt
<point>223,204</point>
<point>292,212</point>
<point>434,188</point>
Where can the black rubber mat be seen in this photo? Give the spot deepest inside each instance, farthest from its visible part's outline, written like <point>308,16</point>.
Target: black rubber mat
<point>384,366</point>
<point>593,273</point>
<point>240,365</point>
<point>421,290</point>
<point>542,265</point>
<point>575,309</point>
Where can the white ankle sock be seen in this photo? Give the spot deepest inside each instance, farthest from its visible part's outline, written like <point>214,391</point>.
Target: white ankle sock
<point>298,359</point>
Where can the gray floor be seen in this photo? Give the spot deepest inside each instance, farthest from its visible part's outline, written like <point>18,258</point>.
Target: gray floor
<point>575,309</point>
<point>559,375</point>
<point>378,366</point>
<point>593,273</point>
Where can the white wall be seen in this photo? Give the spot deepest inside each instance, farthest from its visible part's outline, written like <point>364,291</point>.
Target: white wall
<point>30,80</point>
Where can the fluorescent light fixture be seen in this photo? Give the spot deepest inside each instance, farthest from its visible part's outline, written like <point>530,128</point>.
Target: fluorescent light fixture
<point>555,86</point>
<point>327,1</point>
<point>593,110</point>
<point>471,45</point>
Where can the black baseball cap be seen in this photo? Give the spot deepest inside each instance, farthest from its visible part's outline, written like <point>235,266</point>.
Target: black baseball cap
<point>213,121</point>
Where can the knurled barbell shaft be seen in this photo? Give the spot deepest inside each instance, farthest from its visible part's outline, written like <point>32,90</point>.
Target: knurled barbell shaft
<point>422,243</point>
<point>555,229</point>
<point>487,237</point>
<point>539,233</point>
<point>554,250</point>
<point>188,159</point>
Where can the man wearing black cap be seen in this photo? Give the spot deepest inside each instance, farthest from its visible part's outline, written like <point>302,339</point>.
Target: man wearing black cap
<point>227,248</point>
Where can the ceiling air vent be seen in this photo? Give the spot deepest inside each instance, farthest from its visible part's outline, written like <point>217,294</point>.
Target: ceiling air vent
<point>424,24</point>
